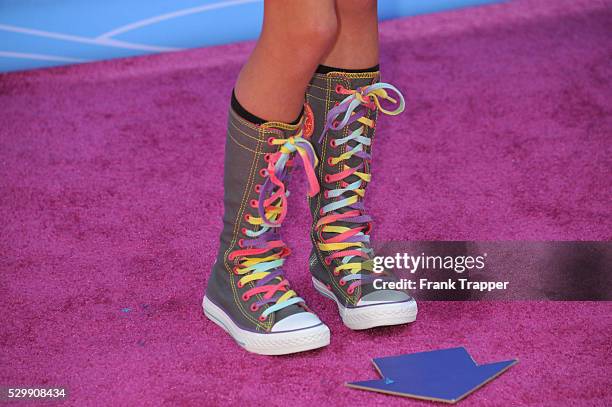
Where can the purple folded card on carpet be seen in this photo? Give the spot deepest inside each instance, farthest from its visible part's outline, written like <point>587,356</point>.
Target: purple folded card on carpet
<point>446,375</point>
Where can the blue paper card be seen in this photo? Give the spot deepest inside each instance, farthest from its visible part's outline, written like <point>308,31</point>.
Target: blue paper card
<point>426,364</point>
<point>446,375</point>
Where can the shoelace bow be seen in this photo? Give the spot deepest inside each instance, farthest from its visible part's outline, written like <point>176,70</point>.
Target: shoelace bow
<point>351,244</point>
<point>262,255</point>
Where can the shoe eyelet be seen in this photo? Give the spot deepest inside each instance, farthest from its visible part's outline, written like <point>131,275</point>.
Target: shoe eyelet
<point>271,140</point>
<point>350,290</point>
<point>335,124</point>
<point>235,270</point>
<point>327,261</point>
<point>263,172</point>
<point>258,188</point>
<point>243,231</point>
<point>254,307</point>
<point>325,194</point>
<point>262,318</point>
<point>327,178</point>
<point>247,217</point>
<point>332,143</point>
<point>321,212</point>
<point>338,88</point>
<point>254,203</point>
<point>239,284</point>
<point>337,104</point>
<point>342,283</point>
<point>245,297</point>
<point>241,243</point>
<point>330,162</point>
<point>267,157</point>
<point>337,273</point>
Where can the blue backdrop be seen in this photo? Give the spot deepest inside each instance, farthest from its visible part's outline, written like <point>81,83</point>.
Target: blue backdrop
<point>38,33</point>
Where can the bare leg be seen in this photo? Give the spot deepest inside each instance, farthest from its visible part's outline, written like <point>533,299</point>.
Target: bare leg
<point>356,46</point>
<point>294,38</point>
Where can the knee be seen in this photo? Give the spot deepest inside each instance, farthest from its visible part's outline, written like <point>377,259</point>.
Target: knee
<point>317,35</point>
<point>301,29</point>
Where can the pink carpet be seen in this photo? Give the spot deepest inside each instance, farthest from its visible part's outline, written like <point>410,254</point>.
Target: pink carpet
<point>111,204</point>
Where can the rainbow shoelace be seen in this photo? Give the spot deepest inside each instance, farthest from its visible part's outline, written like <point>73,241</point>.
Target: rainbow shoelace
<point>262,253</point>
<point>351,244</point>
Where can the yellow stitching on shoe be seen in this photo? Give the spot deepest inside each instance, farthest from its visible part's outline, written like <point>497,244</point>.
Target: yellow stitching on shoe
<point>235,235</point>
<point>243,146</point>
<point>271,133</point>
<point>264,130</point>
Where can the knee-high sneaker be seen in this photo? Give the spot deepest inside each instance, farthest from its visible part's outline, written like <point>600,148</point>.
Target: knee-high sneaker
<point>342,108</point>
<point>247,293</point>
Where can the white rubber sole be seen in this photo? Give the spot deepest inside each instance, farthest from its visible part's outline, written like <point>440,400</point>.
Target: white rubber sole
<point>371,316</point>
<point>274,343</point>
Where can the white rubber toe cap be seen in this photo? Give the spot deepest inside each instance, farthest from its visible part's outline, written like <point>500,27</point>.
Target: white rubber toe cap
<point>301,320</point>
<point>383,296</point>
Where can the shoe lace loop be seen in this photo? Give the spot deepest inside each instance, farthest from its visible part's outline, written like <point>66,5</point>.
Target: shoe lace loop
<point>262,253</point>
<point>351,244</point>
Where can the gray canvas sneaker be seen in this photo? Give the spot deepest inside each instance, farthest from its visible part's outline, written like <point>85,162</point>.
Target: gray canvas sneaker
<point>247,293</point>
<point>342,109</point>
